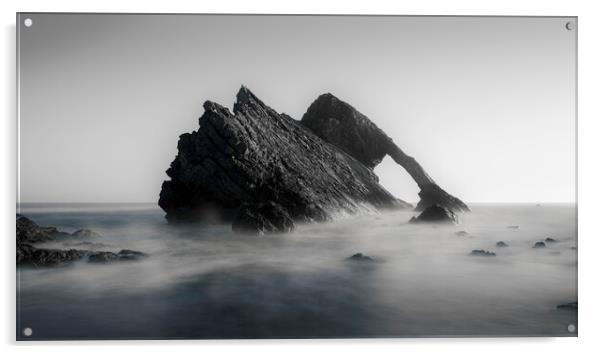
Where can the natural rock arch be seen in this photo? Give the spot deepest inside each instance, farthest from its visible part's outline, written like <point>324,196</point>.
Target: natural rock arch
<point>343,126</point>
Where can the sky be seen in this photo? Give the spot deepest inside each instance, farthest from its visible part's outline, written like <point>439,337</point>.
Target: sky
<point>487,105</point>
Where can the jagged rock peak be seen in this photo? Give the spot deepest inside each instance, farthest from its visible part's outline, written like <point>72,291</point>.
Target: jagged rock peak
<point>246,98</point>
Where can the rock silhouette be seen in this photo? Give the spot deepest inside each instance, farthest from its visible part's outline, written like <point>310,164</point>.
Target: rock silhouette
<point>342,125</point>
<point>264,170</point>
<point>29,233</point>
<point>482,253</point>
<point>435,214</point>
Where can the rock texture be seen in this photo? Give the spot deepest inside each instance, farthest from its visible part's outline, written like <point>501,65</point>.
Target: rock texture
<point>264,170</point>
<point>342,125</point>
<point>482,253</point>
<point>436,214</point>
<point>360,257</point>
<point>29,233</point>
<point>539,244</point>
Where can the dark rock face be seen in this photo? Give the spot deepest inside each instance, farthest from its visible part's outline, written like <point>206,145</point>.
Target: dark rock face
<point>30,255</point>
<point>107,257</point>
<point>501,244</point>
<point>29,232</point>
<point>539,245</point>
<point>342,125</point>
<point>482,253</point>
<point>436,214</point>
<point>360,257</point>
<point>549,239</point>
<point>130,255</point>
<point>263,169</point>
<point>262,218</point>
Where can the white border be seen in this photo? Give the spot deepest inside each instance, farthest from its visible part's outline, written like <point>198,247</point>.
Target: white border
<point>589,161</point>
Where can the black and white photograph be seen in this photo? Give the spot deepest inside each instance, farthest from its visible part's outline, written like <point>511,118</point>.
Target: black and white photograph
<point>240,176</point>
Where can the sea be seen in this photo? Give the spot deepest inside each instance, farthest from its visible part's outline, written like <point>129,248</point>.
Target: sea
<point>206,282</point>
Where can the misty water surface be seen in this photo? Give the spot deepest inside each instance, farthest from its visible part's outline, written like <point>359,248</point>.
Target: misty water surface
<point>206,282</point>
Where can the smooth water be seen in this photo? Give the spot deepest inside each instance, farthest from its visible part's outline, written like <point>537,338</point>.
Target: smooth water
<point>206,282</point>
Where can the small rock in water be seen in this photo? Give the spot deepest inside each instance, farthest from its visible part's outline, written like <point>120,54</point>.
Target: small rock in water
<point>85,233</point>
<point>539,245</point>
<point>481,253</point>
<point>360,257</point>
<point>568,306</point>
<point>549,239</point>
<point>501,244</point>
<point>129,255</point>
<point>436,213</point>
<point>537,205</point>
<point>461,233</point>
<point>123,255</point>
<point>512,226</point>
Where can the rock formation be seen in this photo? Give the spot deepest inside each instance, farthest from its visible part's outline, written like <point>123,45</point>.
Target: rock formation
<point>482,253</point>
<point>342,125</point>
<point>264,170</point>
<point>29,233</point>
<point>539,244</point>
<point>436,214</point>
<point>360,257</point>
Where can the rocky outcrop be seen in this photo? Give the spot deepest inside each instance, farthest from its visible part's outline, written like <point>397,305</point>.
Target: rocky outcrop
<point>30,255</point>
<point>501,244</point>
<point>436,214</point>
<point>342,125</point>
<point>482,253</point>
<point>539,244</point>
<point>264,170</point>
<point>107,257</point>
<point>360,257</point>
<point>29,233</point>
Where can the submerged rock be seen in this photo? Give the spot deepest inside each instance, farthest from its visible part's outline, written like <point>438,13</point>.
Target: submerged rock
<point>263,169</point>
<point>360,257</point>
<point>549,239</point>
<point>482,253</point>
<point>513,227</point>
<point>123,255</point>
<point>461,233</point>
<point>568,306</point>
<point>501,244</point>
<point>130,255</point>
<point>342,125</point>
<point>436,214</point>
<point>539,244</point>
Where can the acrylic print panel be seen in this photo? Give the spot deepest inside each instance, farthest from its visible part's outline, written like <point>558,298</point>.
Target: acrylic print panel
<point>349,176</point>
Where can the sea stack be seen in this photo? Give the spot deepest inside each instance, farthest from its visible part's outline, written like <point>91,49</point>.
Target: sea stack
<point>263,168</point>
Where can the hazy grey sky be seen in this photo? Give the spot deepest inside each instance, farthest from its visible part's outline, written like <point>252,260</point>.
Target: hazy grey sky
<point>486,105</point>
